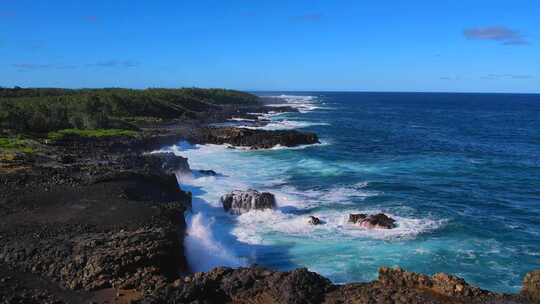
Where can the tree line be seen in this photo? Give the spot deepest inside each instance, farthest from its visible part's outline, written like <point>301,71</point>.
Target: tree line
<point>41,110</point>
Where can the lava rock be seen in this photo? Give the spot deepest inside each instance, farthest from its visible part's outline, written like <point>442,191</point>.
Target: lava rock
<point>300,286</point>
<point>168,162</point>
<point>208,172</point>
<point>238,202</point>
<point>255,139</point>
<point>357,217</point>
<point>379,220</point>
<point>314,220</point>
<point>222,285</point>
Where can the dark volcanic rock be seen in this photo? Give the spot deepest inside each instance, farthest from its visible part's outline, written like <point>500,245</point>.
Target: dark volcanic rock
<point>238,202</point>
<point>255,139</point>
<point>208,172</point>
<point>99,221</point>
<point>128,259</point>
<point>264,286</point>
<point>246,285</point>
<point>379,220</point>
<point>314,220</point>
<point>357,217</point>
<point>168,162</point>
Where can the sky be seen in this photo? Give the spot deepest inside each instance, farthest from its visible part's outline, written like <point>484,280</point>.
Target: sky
<point>310,45</point>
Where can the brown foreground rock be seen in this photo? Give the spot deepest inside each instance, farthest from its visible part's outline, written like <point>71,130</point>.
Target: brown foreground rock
<point>263,286</point>
<point>531,286</point>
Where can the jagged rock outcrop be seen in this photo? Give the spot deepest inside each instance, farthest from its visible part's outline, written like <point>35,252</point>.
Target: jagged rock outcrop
<point>255,139</point>
<point>246,285</point>
<point>531,286</point>
<point>447,285</point>
<point>208,172</point>
<point>313,220</point>
<point>264,286</point>
<point>379,220</point>
<point>238,202</point>
<point>167,162</point>
<point>142,258</point>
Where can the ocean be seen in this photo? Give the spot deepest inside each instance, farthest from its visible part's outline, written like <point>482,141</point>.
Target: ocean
<point>459,172</point>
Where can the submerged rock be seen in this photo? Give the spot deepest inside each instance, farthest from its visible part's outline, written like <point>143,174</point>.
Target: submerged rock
<point>379,220</point>
<point>314,220</point>
<point>208,172</point>
<point>239,202</point>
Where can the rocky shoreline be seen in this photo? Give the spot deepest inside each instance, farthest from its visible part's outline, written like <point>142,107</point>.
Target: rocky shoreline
<point>101,220</point>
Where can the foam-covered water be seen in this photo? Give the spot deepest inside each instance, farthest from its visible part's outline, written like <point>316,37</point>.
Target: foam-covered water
<point>459,172</point>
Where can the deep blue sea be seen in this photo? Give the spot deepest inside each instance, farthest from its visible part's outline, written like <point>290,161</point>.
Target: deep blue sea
<point>459,172</point>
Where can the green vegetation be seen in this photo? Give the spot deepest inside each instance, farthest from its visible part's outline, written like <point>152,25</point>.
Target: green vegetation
<point>141,119</point>
<point>16,144</point>
<point>40,111</point>
<point>96,133</point>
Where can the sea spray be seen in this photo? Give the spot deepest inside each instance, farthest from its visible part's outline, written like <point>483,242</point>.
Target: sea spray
<point>203,251</point>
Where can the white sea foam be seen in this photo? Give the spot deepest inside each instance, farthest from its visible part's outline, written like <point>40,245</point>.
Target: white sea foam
<point>254,227</point>
<point>216,238</point>
<point>407,227</point>
<point>202,250</point>
<point>303,104</point>
<point>300,147</point>
<point>244,170</point>
<point>286,124</point>
<point>346,193</point>
<point>241,119</point>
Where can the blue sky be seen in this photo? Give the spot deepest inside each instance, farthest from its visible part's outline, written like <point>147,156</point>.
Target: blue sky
<point>443,45</point>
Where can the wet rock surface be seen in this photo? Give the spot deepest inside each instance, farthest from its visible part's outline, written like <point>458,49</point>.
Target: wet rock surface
<point>238,202</point>
<point>167,162</point>
<point>254,139</point>
<point>314,220</point>
<point>208,172</point>
<point>379,220</point>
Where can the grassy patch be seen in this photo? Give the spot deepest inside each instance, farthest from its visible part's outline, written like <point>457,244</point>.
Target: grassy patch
<point>97,133</point>
<point>16,144</point>
<point>141,119</point>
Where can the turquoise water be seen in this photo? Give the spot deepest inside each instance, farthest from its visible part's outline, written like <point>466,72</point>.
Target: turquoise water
<point>459,172</point>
